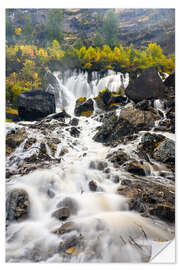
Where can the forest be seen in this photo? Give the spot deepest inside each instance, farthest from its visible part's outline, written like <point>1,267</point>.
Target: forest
<point>31,50</point>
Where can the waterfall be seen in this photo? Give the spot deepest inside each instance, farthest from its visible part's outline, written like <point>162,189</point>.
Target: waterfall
<point>70,85</point>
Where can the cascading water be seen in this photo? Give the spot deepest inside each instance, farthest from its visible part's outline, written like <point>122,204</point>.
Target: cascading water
<point>104,230</point>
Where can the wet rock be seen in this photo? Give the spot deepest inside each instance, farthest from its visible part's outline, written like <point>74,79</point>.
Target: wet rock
<point>69,203</point>
<point>107,170</point>
<point>84,107</point>
<point>13,140</point>
<point>50,193</point>
<point>170,80</point>
<point>17,205</point>
<point>69,242</point>
<point>143,105</point>
<point>137,168</point>
<point>98,165</point>
<point>64,151</point>
<point>74,122</point>
<point>165,152</point>
<point>118,157</point>
<point>149,142</point>
<point>145,197</point>
<point>147,86</point>
<point>60,116</point>
<point>66,228</point>
<point>74,132</point>
<point>164,212</point>
<point>35,104</point>
<point>52,143</point>
<point>62,213</point>
<point>107,100</point>
<point>131,120</point>
<point>115,179</point>
<point>92,185</point>
<point>29,143</point>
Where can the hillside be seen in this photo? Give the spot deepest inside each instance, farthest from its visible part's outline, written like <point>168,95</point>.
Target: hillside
<point>137,26</point>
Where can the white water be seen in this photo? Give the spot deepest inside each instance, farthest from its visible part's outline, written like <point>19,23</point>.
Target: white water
<point>33,240</point>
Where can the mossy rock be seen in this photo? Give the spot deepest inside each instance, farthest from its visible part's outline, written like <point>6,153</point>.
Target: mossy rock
<point>84,107</point>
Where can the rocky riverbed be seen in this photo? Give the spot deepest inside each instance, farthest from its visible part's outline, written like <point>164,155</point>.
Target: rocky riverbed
<point>96,186</point>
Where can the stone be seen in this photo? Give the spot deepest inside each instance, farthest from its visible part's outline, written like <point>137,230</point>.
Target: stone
<point>147,86</point>
<point>170,80</point>
<point>69,203</point>
<point>35,104</point>
<point>74,122</point>
<point>118,157</point>
<point>17,205</point>
<point>60,116</point>
<point>13,140</point>
<point>66,228</point>
<point>84,107</point>
<point>92,185</point>
<point>164,212</point>
<point>70,242</point>
<point>62,213</point>
<point>74,132</point>
<point>98,165</point>
<point>165,152</point>
<point>149,198</point>
<point>137,168</point>
<point>130,121</point>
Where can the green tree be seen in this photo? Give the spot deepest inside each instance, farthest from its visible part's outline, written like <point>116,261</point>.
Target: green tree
<point>53,25</point>
<point>110,29</point>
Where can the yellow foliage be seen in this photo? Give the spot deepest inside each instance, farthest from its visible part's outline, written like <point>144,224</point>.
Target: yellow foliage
<point>11,110</point>
<point>81,100</point>
<point>18,31</point>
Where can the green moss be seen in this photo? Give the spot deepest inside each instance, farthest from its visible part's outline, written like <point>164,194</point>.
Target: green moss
<point>9,120</point>
<point>87,113</point>
<point>103,91</point>
<point>11,110</point>
<point>114,104</point>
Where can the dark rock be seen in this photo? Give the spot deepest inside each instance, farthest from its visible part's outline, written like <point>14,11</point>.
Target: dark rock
<point>74,132</point>
<point>35,104</point>
<point>137,168</point>
<point>118,157</point>
<point>84,107</point>
<point>107,170</point>
<point>98,165</point>
<point>29,143</point>
<point>74,122</point>
<point>69,203</point>
<point>69,242</point>
<point>150,198</point>
<point>13,117</point>
<point>170,80</point>
<point>147,86</point>
<point>61,116</point>
<point>50,193</point>
<point>92,185</point>
<point>66,228</point>
<point>17,205</point>
<point>164,212</point>
<point>131,120</point>
<point>165,152</point>
<point>149,142</point>
<point>14,139</point>
<point>115,178</point>
<point>143,105</point>
<point>62,213</point>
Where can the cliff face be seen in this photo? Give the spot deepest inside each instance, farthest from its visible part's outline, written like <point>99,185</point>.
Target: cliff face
<point>137,26</point>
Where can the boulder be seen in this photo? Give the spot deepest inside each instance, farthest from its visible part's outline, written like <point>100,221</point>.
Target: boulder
<point>98,165</point>
<point>74,122</point>
<point>62,213</point>
<point>17,205</point>
<point>92,185</point>
<point>118,157</point>
<point>149,198</point>
<point>74,132</point>
<point>84,107</point>
<point>170,80</point>
<point>35,104</point>
<point>69,203</point>
<point>66,228</point>
<point>147,86</point>
<point>107,100</point>
<point>130,121</point>
<point>14,139</point>
<point>165,152</point>
<point>137,168</point>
